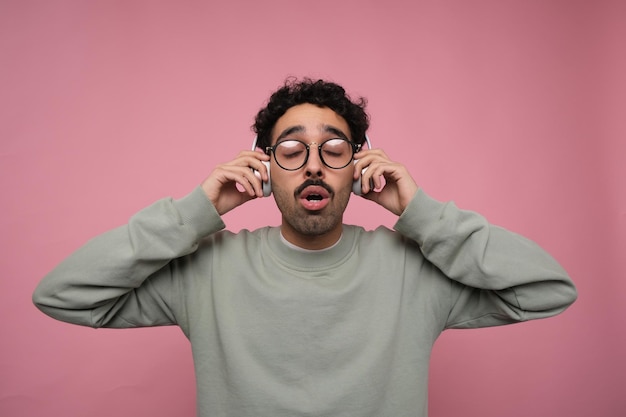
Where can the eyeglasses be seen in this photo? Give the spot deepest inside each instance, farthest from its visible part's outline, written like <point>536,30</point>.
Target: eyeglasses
<point>292,154</point>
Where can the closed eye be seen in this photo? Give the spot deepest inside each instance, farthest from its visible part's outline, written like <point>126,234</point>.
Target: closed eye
<point>291,155</point>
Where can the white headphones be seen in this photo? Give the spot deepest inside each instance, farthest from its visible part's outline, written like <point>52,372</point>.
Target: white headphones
<point>267,185</point>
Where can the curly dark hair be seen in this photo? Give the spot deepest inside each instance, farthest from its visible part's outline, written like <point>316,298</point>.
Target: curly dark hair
<point>321,93</point>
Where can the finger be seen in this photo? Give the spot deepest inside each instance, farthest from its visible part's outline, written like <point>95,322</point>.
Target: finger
<point>241,178</point>
<point>244,180</point>
<point>372,177</point>
<point>255,179</point>
<point>256,161</point>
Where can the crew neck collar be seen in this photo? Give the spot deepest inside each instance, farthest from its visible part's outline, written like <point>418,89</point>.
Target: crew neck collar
<point>298,248</point>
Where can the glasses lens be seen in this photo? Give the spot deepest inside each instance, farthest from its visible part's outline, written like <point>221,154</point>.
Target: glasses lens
<point>293,154</point>
<point>290,154</point>
<point>336,153</point>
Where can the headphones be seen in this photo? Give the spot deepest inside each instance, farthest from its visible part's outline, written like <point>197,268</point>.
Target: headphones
<point>267,185</point>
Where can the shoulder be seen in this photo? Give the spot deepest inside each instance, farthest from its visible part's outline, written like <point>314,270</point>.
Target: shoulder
<point>381,237</point>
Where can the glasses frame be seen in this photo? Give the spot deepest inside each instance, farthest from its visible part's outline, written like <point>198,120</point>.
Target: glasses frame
<point>272,150</point>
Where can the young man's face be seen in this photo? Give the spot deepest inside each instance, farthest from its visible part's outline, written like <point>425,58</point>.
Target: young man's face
<point>312,199</point>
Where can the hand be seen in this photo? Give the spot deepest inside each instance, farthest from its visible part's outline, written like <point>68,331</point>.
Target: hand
<point>221,185</point>
<point>399,187</point>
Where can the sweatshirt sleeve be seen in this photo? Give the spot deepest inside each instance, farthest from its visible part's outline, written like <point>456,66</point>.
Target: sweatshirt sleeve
<point>497,276</point>
<point>120,279</point>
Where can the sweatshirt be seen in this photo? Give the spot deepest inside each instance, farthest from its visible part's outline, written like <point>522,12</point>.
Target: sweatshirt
<point>280,332</point>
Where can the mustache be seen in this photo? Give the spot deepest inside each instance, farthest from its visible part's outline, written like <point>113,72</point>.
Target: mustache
<point>309,183</point>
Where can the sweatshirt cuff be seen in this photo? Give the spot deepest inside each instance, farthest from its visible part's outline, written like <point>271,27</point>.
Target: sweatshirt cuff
<point>197,212</point>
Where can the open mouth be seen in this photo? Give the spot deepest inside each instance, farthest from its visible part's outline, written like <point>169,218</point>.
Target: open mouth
<point>314,197</point>
<point>314,193</point>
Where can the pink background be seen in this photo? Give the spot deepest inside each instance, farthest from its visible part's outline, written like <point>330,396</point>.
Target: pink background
<point>515,109</point>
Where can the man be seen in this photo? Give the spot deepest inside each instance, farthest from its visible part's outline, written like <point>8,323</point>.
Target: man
<point>315,317</point>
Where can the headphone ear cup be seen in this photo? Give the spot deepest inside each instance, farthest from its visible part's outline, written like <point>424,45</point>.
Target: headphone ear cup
<point>356,185</point>
<point>267,186</point>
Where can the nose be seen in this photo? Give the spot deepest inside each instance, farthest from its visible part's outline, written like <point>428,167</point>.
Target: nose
<point>314,167</point>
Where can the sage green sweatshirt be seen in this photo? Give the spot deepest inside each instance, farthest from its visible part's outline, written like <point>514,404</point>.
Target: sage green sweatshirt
<point>280,332</point>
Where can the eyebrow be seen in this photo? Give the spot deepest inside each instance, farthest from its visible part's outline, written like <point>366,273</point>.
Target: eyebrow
<point>290,131</point>
<point>299,128</point>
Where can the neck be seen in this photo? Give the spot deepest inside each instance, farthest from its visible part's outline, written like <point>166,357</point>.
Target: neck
<point>311,242</point>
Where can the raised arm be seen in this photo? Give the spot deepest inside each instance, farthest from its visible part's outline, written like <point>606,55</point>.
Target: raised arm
<point>120,279</point>
<point>99,285</point>
<point>498,276</point>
